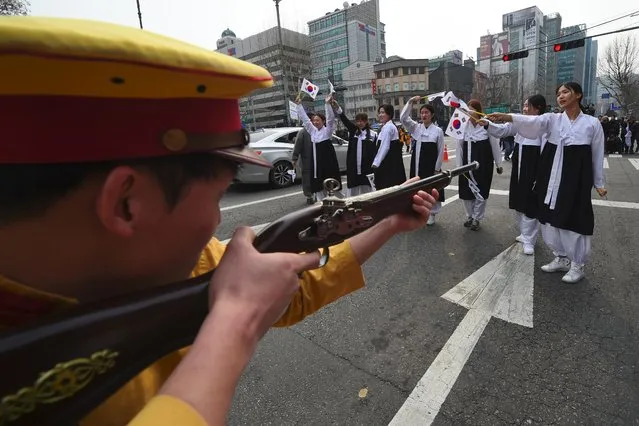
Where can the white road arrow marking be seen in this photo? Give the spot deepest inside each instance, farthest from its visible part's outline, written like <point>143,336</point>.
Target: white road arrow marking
<point>502,288</point>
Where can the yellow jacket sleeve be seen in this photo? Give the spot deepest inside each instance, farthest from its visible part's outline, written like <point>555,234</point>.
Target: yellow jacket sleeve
<point>340,276</point>
<point>167,410</point>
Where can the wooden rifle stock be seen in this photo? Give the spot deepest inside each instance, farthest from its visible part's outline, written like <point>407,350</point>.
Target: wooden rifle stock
<point>58,369</point>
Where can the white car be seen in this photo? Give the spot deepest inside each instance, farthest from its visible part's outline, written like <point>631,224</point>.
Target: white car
<point>276,145</point>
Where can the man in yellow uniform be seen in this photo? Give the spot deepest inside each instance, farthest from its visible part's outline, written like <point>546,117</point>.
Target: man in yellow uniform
<point>118,145</point>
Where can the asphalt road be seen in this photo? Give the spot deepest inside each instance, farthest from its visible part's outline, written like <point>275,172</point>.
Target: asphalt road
<point>357,361</point>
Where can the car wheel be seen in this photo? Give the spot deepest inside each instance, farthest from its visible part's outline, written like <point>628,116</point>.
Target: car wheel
<point>279,176</point>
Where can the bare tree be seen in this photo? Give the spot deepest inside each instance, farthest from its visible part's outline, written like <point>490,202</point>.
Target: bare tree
<point>14,7</point>
<point>619,70</point>
<point>497,89</point>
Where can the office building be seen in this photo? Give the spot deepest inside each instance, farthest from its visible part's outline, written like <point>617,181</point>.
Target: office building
<point>511,82</point>
<point>453,56</point>
<point>342,37</point>
<point>268,107</point>
<point>398,79</point>
<point>359,81</point>
<point>552,29</point>
<point>571,62</point>
<point>590,72</point>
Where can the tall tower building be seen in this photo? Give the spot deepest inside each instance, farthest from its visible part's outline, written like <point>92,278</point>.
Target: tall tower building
<point>342,37</point>
<point>528,75</point>
<point>267,107</point>
<point>571,63</point>
<point>590,72</point>
<point>552,28</point>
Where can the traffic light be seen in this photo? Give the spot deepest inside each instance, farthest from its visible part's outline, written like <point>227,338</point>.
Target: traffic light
<point>559,47</point>
<point>515,55</point>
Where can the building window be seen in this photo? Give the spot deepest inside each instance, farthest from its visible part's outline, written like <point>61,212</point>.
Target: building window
<point>388,88</point>
<point>395,72</point>
<point>413,86</point>
<point>406,86</point>
<point>396,87</point>
<point>422,85</point>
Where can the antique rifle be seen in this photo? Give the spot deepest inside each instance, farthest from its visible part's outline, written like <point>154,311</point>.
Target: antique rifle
<point>57,370</point>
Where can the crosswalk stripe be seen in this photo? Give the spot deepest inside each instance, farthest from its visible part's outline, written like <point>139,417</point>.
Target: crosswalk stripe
<point>634,162</point>
<point>606,165</point>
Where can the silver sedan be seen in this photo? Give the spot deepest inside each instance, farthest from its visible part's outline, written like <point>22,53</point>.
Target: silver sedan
<point>276,145</point>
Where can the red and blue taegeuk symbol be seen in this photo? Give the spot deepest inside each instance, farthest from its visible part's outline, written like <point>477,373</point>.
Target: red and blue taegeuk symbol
<point>309,88</point>
<point>456,123</point>
<point>455,104</point>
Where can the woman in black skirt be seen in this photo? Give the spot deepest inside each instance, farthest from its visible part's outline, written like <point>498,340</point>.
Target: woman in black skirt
<point>571,164</point>
<point>388,165</point>
<point>324,163</point>
<point>427,156</point>
<point>362,148</point>
<point>474,187</point>
<point>525,160</point>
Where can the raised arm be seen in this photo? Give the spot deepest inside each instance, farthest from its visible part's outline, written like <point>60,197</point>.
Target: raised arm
<point>500,130</point>
<point>331,121</point>
<point>532,126</point>
<point>405,118</point>
<point>352,128</point>
<point>306,122</point>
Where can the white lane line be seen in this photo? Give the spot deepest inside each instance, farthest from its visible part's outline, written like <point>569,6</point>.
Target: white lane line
<point>502,288</point>
<point>262,200</point>
<point>606,165</point>
<point>617,204</point>
<point>424,402</point>
<point>634,162</point>
<point>615,156</point>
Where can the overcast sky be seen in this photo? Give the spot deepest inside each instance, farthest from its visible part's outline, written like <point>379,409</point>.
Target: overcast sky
<point>414,28</point>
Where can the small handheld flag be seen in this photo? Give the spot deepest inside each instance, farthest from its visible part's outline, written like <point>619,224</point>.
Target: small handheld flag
<point>309,88</point>
<point>331,88</point>
<point>457,125</point>
<point>434,96</point>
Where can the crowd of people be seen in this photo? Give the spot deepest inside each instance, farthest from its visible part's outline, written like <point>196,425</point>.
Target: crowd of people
<point>620,134</point>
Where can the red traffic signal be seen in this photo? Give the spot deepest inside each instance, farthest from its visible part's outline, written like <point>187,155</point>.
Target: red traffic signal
<point>515,55</point>
<point>558,47</point>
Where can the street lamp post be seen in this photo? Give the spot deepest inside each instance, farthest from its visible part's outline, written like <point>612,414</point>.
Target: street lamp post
<point>281,46</point>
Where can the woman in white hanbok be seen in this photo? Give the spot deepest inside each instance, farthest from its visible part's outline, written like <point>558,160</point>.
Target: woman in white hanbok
<point>571,164</point>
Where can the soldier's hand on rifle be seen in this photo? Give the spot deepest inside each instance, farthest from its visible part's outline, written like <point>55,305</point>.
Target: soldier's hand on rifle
<point>422,204</point>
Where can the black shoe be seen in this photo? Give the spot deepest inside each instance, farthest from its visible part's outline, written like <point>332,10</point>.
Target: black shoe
<point>468,222</point>
<point>475,225</point>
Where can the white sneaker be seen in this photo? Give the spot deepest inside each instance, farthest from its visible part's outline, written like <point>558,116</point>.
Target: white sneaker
<point>529,249</point>
<point>575,274</point>
<point>559,264</point>
<point>519,239</point>
<point>431,220</point>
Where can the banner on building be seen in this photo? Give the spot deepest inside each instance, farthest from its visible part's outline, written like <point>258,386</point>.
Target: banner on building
<point>499,46</point>
<point>530,32</point>
<point>485,47</point>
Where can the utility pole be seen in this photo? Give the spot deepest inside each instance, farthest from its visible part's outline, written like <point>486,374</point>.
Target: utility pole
<point>284,80</point>
<point>139,13</point>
